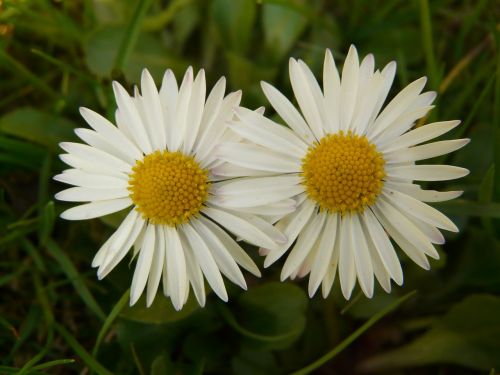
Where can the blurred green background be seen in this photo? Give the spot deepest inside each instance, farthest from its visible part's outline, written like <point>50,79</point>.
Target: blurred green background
<point>55,317</point>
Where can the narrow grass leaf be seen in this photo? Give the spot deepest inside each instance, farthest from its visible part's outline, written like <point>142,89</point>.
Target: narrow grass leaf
<point>351,338</point>
<point>81,352</point>
<point>75,278</point>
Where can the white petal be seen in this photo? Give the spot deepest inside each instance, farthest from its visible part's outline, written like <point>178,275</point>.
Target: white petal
<point>255,199</point>
<point>108,131</point>
<point>420,135</point>
<point>206,261</point>
<point>267,133</point>
<point>143,265</point>
<point>230,170</point>
<point>260,184</point>
<point>287,112</point>
<point>362,258</point>
<point>156,266</point>
<point>305,242</point>
<point>176,267</point>
<point>211,109</point>
<point>89,167</point>
<point>81,194</point>
<point>256,157</point>
<point>118,253</point>
<point>235,250</point>
<point>211,137</point>
<point>382,245</point>
<point>400,125</point>
<point>168,98</point>
<point>132,118</point>
<point>305,98</point>
<point>388,74</point>
<point>426,172</point>
<point>95,155</point>
<point>316,93</point>
<point>111,146</point>
<point>222,257</point>
<point>181,110</point>
<point>195,275</point>
<point>195,113</point>
<point>388,217</point>
<point>153,111</point>
<point>331,89</point>
<point>397,106</point>
<point>241,227</point>
<point>79,178</point>
<point>420,210</point>
<point>96,209</point>
<point>349,88</point>
<point>366,104</point>
<point>381,273</point>
<point>347,267</point>
<point>329,278</point>
<point>423,195</point>
<point>291,225</point>
<point>427,151</point>
<point>279,209</point>
<point>324,254</point>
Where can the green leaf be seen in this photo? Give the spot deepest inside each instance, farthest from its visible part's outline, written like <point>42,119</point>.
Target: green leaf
<point>271,315</point>
<point>47,222</point>
<point>101,50</point>
<point>109,320</point>
<point>469,208</point>
<point>467,335</point>
<point>234,20</point>
<point>75,278</point>
<point>353,336</point>
<point>38,127</point>
<point>161,311</point>
<point>81,352</point>
<point>282,26</point>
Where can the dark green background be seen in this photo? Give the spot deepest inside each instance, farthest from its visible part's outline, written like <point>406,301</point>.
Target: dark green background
<point>58,55</point>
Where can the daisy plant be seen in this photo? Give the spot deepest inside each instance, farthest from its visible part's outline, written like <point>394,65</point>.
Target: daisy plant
<point>158,161</point>
<point>347,165</point>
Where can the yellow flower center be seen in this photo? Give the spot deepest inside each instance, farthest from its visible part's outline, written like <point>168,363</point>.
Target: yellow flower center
<point>343,172</point>
<point>168,187</point>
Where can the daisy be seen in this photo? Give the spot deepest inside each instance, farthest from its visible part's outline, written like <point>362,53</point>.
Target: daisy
<point>350,168</point>
<point>158,160</point>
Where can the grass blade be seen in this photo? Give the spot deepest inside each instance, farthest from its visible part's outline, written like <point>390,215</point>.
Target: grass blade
<point>131,34</point>
<point>109,320</point>
<point>350,339</point>
<point>81,352</point>
<point>75,278</point>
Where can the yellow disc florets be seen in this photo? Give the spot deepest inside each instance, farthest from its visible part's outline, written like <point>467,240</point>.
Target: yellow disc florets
<point>343,172</point>
<point>168,187</point>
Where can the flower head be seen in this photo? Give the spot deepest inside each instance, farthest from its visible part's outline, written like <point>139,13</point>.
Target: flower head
<point>159,160</point>
<point>347,166</point>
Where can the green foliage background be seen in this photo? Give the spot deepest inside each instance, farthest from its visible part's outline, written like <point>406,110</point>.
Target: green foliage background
<point>55,317</point>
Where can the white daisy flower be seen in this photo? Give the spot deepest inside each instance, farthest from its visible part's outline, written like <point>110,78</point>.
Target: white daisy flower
<point>349,167</point>
<point>158,160</point>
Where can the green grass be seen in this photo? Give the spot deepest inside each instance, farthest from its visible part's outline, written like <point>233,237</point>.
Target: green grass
<point>57,318</point>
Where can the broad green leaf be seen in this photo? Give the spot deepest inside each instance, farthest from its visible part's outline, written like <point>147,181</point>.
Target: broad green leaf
<point>102,47</point>
<point>271,315</point>
<point>282,26</point>
<point>234,20</point>
<point>161,311</point>
<point>467,335</point>
<point>38,127</point>
<point>251,362</point>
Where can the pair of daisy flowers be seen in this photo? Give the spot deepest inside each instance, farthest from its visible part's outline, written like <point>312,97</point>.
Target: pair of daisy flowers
<point>331,189</point>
